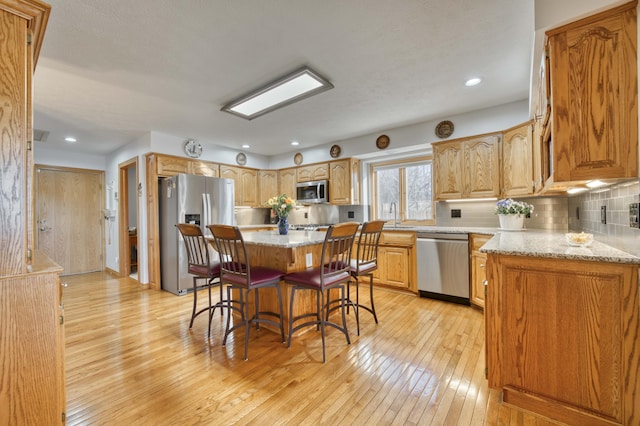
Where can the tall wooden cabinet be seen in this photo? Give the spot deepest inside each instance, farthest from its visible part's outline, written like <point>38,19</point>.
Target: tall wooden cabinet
<point>467,168</point>
<point>517,161</point>
<point>594,98</point>
<point>31,316</point>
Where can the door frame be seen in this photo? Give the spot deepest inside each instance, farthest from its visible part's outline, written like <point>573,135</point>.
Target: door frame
<point>124,251</point>
<point>100,173</point>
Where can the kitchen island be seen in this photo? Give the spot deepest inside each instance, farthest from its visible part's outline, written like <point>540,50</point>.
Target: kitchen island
<point>562,328</point>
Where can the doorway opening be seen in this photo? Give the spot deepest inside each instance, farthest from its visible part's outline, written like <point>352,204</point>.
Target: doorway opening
<point>130,189</point>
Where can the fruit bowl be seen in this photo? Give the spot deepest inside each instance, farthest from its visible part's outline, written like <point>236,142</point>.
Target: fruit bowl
<point>579,239</point>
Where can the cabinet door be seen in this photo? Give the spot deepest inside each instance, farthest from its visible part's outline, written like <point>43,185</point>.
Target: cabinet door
<point>517,161</point>
<point>204,168</point>
<point>478,277</point>
<point>267,185</point>
<point>231,172</point>
<point>447,170</point>
<point>340,182</point>
<point>171,166</point>
<point>249,179</point>
<point>395,272</point>
<point>482,168</point>
<point>594,97</point>
<point>287,182</point>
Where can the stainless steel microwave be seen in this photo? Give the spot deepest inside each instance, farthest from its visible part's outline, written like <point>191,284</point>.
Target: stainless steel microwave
<point>312,192</point>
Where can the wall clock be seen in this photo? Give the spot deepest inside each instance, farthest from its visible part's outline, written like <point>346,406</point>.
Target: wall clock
<point>241,159</point>
<point>192,148</point>
<point>383,141</point>
<point>334,152</point>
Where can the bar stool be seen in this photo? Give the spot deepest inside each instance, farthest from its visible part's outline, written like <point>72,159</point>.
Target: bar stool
<point>333,272</point>
<point>365,262</point>
<point>236,270</point>
<point>202,268</point>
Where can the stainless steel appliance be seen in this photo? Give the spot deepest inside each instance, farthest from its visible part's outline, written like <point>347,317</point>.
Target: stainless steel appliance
<point>443,266</point>
<point>189,199</point>
<point>312,192</point>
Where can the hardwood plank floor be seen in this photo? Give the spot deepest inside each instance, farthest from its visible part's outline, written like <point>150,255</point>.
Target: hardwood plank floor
<point>131,359</point>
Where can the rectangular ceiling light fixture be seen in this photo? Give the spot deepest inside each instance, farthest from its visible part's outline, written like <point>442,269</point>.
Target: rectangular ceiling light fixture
<point>286,90</point>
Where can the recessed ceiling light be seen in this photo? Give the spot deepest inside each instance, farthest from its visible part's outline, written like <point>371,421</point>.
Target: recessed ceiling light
<point>295,143</point>
<point>473,81</point>
<point>293,87</point>
<point>246,146</point>
<point>70,139</point>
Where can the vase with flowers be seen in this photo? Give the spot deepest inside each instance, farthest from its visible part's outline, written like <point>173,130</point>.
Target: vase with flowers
<point>511,213</point>
<point>281,205</point>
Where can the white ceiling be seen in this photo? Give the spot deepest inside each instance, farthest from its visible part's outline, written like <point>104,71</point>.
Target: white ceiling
<point>111,71</point>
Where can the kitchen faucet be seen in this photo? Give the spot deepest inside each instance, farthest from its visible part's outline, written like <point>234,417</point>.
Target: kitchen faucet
<point>394,209</point>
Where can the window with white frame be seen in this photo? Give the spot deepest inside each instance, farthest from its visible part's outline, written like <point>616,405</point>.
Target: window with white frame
<point>402,191</point>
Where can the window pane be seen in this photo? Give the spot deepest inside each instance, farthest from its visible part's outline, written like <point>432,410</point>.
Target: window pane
<point>418,202</point>
<point>388,184</point>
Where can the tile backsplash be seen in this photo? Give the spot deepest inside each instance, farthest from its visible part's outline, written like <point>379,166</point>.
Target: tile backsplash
<point>585,215</point>
<point>548,213</point>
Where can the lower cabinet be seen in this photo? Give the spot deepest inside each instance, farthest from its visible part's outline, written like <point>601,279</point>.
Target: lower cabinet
<point>396,261</point>
<point>562,338</point>
<point>32,384</point>
<point>478,268</point>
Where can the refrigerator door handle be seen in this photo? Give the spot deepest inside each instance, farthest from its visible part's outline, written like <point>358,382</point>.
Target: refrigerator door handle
<point>205,211</point>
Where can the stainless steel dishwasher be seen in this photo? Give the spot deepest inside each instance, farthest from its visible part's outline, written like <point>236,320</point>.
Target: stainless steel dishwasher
<point>443,266</point>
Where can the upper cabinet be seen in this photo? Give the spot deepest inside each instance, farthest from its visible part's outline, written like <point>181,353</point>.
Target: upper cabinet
<point>467,168</point>
<point>287,182</point>
<point>313,172</point>
<point>344,178</point>
<point>594,98</point>
<point>517,161</point>
<point>267,185</point>
<point>245,184</point>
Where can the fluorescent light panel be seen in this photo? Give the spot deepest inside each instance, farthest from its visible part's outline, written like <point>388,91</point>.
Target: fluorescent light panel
<point>286,90</point>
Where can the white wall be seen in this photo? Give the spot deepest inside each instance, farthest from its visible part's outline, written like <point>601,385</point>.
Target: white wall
<point>51,157</point>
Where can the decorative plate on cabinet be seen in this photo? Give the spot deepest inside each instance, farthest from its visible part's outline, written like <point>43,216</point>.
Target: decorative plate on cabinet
<point>383,141</point>
<point>241,159</point>
<point>444,129</point>
<point>192,148</point>
<point>334,152</point>
<point>297,158</point>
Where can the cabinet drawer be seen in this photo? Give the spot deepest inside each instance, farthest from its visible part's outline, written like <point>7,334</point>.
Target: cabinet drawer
<point>398,238</point>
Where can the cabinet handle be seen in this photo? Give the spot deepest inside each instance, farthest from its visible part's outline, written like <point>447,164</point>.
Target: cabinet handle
<point>482,265</point>
<point>64,284</point>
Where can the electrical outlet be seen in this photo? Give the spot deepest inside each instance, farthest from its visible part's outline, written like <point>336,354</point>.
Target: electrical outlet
<point>309,260</point>
<point>456,212</point>
<point>603,215</point>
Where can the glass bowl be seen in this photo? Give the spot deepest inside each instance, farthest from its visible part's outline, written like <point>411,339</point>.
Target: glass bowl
<point>579,239</point>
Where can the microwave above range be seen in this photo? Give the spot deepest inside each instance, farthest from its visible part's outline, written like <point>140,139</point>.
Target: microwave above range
<point>312,192</point>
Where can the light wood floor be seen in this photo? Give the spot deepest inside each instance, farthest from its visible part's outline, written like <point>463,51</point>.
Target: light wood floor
<point>131,359</point>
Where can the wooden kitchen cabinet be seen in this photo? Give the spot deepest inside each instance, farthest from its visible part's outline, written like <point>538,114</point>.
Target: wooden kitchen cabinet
<point>396,261</point>
<point>287,182</point>
<point>467,168</point>
<point>169,165</point>
<point>517,161</point>
<point>204,168</point>
<point>344,181</point>
<point>267,185</point>
<point>32,380</point>
<point>245,184</point>
<point>313,172</point>
<point>594,97</point>
<point>478,268</point>
<point>562,337</point>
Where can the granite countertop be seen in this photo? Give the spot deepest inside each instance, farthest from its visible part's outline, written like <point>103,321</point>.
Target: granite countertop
<point>292,239</point>
<point>443,229</point>
<point>553,245</point>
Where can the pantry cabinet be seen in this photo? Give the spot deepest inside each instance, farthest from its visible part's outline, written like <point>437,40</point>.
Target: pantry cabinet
<point>594,98</point>
<point>517,161</point>
<point>467,168</point>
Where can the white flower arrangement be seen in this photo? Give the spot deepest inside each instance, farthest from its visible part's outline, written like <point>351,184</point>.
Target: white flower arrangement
<point>509,206</point>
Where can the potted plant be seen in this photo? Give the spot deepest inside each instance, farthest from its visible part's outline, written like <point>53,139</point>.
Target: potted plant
<point>281,205</point>
<point>511,213</point>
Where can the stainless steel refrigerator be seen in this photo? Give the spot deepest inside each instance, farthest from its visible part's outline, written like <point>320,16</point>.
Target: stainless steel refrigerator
<point>194,199</point>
